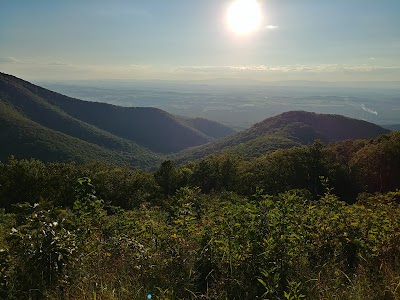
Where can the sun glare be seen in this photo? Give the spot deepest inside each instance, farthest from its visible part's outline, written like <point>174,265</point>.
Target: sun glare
<point>244,16</point>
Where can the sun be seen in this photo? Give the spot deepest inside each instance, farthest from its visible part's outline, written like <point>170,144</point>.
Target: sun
<point>244,16</point>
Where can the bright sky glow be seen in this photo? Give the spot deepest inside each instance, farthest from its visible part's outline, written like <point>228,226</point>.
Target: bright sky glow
<point>341,40</point>
<point>244,16</point>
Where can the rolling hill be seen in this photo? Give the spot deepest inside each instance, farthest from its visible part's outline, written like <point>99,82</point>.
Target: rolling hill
<point>286,130</point>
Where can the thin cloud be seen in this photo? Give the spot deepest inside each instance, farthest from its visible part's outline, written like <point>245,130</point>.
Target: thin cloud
<point>9,60</point>
<point>56,63</point>
<point>32,61</point>
<point>272,27</point>
<point>139,67</point>
<point>223,69</point>
<point>322,68</point>
<point>369,110</point>
<point>114,11</point>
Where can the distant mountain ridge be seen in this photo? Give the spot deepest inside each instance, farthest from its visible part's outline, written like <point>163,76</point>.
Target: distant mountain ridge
<point>122,134</point>
<point>393,127</point>
<point>286,130</point>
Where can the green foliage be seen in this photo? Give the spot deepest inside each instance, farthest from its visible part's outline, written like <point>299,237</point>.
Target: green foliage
<point>41,245</point>
<point>275,227</point>
<point>378,163</point>
<point>294,291</point>
<point>7,221</point>
<point>167,177</point>
<point>85,198</point>
<point>122,187</point>
<point>216,173</point>
<point>220,246</point>
<point>88,209</point>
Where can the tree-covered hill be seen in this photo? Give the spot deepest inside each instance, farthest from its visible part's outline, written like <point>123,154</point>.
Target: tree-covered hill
<point>287,130</point>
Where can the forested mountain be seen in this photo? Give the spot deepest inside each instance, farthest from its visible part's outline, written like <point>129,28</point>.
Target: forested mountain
<point>40,123</point>
<point>152,128</point>
<point>286,130</point>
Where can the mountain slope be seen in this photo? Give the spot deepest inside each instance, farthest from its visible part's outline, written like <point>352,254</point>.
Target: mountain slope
<point>52,128</point>
<point>286,130</point>
<point>39,123</point>
<point>25,138</point>
<point>151,128</point>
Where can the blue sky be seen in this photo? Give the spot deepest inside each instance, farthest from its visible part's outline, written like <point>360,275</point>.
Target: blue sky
<point>341,40</point>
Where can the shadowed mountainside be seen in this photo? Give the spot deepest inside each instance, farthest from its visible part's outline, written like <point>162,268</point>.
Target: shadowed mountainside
<point>25,138</point>
<point>152,128</point>
<point>43,124</point>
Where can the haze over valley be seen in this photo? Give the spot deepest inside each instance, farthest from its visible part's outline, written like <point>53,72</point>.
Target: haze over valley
<point>240,104</point>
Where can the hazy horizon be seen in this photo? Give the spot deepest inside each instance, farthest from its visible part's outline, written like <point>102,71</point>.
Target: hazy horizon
<point>240,105</point>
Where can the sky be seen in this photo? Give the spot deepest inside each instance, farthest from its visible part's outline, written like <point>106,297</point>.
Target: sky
<point>340,40</point>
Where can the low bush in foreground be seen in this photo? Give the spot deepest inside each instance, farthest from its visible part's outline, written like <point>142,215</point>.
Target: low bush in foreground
<point>203,246</point>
